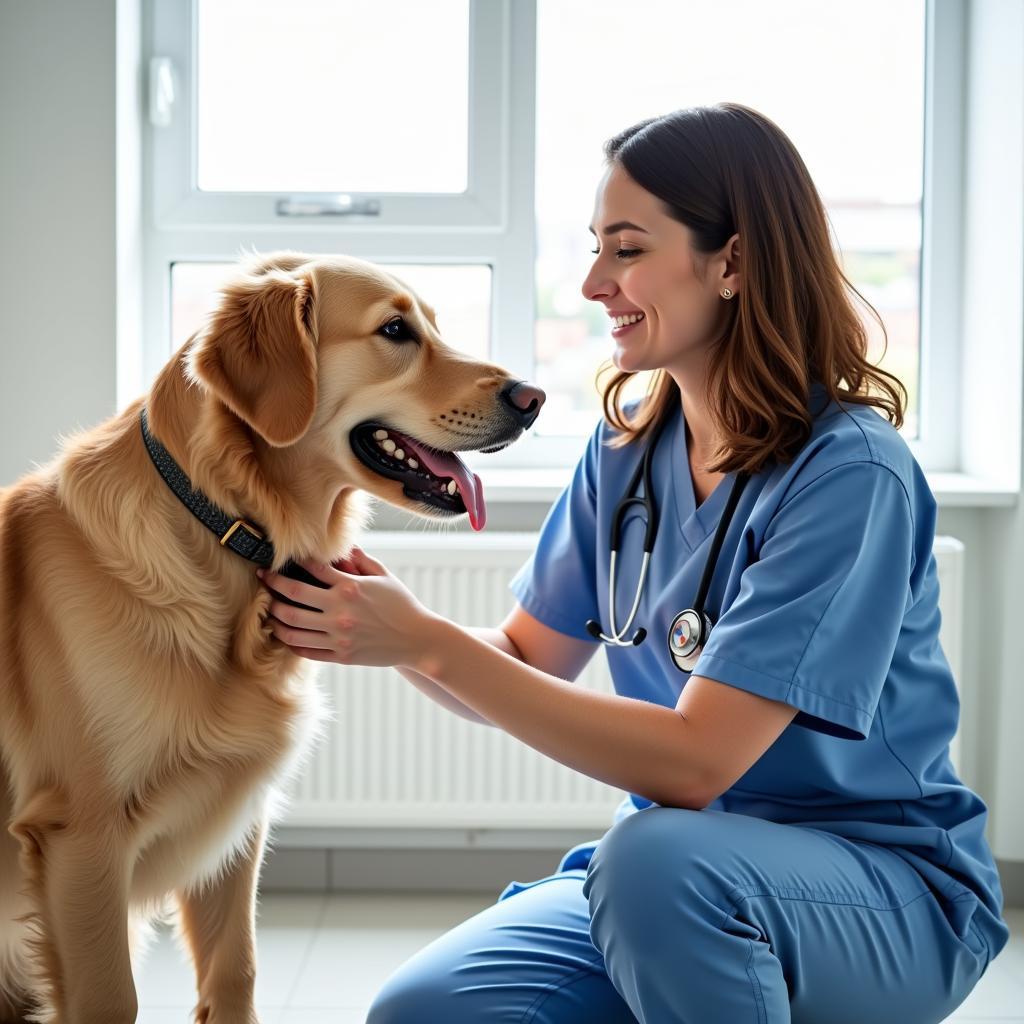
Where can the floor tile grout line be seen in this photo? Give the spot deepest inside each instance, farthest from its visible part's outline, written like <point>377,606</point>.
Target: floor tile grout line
<point>314,932</point>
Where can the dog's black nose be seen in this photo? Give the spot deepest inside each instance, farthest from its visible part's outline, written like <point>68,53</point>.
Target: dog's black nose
<point>524,400</point>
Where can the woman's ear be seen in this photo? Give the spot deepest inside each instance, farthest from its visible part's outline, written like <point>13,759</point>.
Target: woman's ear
<point>258,353</point>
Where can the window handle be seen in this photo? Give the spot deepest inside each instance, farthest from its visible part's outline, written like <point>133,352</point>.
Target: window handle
<point>338,206</point>
<point>161,91</point>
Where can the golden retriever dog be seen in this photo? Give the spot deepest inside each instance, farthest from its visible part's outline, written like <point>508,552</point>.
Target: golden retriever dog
<point>148,719</point>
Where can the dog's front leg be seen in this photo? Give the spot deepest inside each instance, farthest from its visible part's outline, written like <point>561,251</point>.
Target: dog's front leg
<point>78,884</point>
<point>219,923</point>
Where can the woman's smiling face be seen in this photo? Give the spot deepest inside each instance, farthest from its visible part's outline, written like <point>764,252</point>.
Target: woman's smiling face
<point>646,266</point>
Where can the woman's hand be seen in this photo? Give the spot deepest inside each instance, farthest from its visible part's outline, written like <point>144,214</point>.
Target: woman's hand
<point>367,616</point>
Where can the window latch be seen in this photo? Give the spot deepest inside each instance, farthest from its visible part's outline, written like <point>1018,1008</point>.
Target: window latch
<point>334,206</point>
<point>161,91</point>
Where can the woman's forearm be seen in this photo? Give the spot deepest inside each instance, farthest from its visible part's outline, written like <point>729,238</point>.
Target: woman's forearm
<point>630,744</point>
<point>496,638</point>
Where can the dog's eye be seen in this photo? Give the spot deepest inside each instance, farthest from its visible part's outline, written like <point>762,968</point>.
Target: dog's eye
<point>397,330</point>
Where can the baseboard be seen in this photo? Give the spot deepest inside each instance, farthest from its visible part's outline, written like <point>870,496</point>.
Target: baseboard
<point>290,869</point>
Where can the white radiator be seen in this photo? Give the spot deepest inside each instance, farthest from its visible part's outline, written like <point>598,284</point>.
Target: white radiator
<point>393,758</point>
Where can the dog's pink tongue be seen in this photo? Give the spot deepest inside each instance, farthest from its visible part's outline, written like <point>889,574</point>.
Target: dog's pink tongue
<point>470,487</point>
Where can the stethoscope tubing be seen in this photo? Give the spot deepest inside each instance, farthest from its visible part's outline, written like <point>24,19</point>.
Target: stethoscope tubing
<point>650,534</point>
<point>617,637</point>
<point>716,544</point>
<point>618,634</point>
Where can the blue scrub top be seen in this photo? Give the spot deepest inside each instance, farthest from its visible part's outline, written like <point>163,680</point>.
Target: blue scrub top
<point>825,597</point>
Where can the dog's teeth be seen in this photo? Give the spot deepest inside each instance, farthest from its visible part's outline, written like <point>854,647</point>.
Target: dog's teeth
<point>379,435</point>
<point>413,464</point>
<point>389,446</point>
<point>452,486</point>
<point>398,453</point>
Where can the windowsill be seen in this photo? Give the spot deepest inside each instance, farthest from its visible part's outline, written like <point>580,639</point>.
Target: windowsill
<point>951,490</point>
<point>962,490</point>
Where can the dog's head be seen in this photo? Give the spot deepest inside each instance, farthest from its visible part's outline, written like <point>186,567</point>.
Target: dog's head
<point>335,356</point>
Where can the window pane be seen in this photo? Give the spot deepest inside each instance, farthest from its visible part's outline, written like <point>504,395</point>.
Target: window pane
<point>326,95</point>
<point>844,81</point>
<point>460,296</point>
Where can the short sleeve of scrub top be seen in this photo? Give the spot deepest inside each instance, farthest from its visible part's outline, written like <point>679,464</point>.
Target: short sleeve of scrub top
<point>818,614</point>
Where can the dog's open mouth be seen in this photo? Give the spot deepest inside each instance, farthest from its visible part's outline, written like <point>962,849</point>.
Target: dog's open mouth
<point>437,478</point>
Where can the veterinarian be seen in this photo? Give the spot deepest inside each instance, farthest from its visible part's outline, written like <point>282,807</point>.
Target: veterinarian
<point>796,845</point>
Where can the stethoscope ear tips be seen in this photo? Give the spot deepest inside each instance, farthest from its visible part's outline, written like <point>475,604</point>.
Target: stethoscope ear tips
<point>594,629</point>
<point>639,638</point>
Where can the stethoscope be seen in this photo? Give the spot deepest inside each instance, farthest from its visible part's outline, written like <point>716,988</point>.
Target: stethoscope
<point>691,628</point>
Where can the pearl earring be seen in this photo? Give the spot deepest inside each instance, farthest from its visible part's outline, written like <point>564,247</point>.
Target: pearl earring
<point>726,293</point>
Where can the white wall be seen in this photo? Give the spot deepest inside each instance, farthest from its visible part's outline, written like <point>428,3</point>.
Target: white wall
<point>60,281</point>
<point>57,251</point>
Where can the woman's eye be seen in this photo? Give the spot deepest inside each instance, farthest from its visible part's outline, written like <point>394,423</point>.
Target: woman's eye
<point>397,330</point>
<point>622,254</point>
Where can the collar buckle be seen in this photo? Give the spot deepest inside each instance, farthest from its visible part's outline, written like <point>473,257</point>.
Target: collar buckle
<point>240,524</point>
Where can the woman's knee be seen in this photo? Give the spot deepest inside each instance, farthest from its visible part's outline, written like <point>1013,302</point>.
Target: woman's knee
<point>653,863</point>
<point>644,847</point>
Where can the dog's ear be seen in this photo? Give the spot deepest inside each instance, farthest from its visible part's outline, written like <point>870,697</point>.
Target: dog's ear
<point>258,353</point>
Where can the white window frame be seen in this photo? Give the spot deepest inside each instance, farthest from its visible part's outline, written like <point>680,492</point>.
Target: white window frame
<point>936,447</point>
<point>493,222</point>
<point>178,201</point>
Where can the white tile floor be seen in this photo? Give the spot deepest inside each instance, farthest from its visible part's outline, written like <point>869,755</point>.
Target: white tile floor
<point>322,957</point>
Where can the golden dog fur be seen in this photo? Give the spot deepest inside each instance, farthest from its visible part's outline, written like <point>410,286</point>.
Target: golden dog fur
<point>148,719</point>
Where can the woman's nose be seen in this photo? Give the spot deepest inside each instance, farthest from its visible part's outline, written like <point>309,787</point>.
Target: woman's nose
<point>595,288</point>
<point>524,400</point>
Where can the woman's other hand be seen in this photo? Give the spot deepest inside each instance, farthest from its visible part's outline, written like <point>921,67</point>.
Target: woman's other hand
<point>365,616</point>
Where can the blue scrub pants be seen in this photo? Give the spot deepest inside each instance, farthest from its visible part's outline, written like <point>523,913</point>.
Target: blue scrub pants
<point>699,917</point>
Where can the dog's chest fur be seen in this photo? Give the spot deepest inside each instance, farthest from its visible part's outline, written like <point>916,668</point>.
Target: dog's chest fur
<point>199,801</point>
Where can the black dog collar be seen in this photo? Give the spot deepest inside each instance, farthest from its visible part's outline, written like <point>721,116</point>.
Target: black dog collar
<point>241,537</point>
<point>238,535</point>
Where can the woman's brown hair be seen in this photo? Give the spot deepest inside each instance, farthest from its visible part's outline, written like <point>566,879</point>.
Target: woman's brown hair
<point>726,169</point>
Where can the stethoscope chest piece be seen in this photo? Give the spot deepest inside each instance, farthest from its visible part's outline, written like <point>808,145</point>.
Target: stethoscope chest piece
<point>686,638</point>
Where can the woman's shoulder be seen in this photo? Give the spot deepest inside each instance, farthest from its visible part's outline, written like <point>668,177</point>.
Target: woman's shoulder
<point>848,433</point>
<point>844,430</point>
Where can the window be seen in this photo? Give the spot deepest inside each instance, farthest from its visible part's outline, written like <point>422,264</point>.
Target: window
<point>464,152</point>
<point>326,97</point>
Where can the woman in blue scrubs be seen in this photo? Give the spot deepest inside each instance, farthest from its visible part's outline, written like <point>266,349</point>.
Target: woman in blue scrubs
<point>796,845</point>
